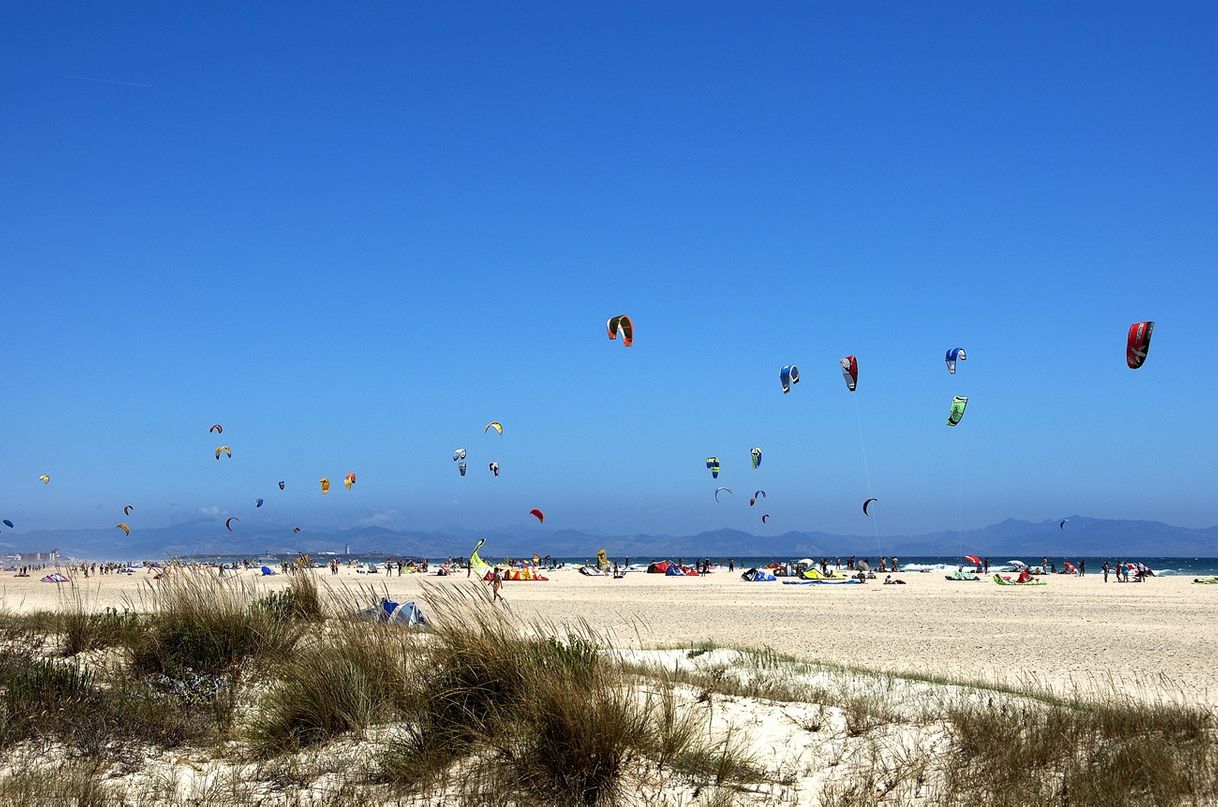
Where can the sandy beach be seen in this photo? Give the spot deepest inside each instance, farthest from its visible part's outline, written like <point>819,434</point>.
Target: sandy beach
<point>1143,638</point>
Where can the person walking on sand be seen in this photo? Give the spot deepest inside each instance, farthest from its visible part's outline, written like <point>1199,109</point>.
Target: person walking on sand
<point>496,584</point>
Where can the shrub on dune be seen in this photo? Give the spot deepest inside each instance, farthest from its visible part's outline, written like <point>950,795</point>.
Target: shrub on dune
<point>204,624</point>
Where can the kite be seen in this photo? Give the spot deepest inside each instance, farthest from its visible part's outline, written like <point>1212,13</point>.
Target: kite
<point>8,524</point>
<point>540,516</point>
<point>1138,344</point>
<point>228,523</point>
<point>765,518</point>
<point>720,490</point>
<point>476,564</point>
<point>494,466</point>
<point>459,454</point>
<point>325,484</point>
<point>216,429</point>
<point>123,527</point>
<point>257,504</point>
<point>349,480</point>
<point>224,450</point>
<point>461,466</point>
<point>756,452</point>
<point>850,371</point>
<point>45,479</point>
<point>281,484</point>
<point>957,413</point>
<point>1062,524</point>
<point>787,376</point>
<point>713,464</point>
<point>295,530</point>
<point>760,494</point>
<point>621,323</point>
<point>494,424</point>
<point>952,355</point>
<point>127,510</point>
<point>973,559</point>
<point>867,504</point>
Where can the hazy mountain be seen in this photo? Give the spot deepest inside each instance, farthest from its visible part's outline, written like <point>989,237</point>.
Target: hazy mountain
<point>1008,539</point>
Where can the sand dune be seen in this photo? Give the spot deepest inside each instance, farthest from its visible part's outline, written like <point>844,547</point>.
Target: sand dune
<point>1072,632</point>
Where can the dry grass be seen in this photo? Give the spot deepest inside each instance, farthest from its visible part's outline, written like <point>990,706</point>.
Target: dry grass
<point>484,705</point>
<point>301,600</point>
<point>78,783</point>
<point>521,713</point>
<point>209,625</point>
<point>65,702</point>
<point>1113,752</point>
<point>353,677</point>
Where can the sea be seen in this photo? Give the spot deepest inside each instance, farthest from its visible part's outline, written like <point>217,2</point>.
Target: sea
<point>940,564</point>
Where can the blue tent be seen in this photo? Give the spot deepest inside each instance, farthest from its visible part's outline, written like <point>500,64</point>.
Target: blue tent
<point>758,576</point>
<point>407,613</point>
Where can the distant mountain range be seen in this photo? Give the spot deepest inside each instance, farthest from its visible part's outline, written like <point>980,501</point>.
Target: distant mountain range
<point>1009,539</point>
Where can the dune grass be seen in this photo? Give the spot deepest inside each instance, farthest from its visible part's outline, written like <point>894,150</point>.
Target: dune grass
<point>523,713</point>
<point>200,623</point>
<point>1098,752</point>
<point>66,702</point>
<point>301,600</point>
<point>484,704</point>
<point>350,678</point>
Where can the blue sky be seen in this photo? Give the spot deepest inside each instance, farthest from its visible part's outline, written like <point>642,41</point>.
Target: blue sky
<point>355,233</point>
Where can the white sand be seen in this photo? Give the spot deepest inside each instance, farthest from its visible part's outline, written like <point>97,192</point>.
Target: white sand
<point>1156,636</point>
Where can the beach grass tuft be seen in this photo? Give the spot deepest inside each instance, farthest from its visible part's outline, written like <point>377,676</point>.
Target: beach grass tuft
<point>352,677</point>
<point>204,624</point>
<point>1094,752</point>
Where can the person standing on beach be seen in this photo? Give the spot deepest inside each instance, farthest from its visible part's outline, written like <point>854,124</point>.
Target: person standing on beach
<point>496,584</point>
<point>1105,568</point>
<point>1082,567</point>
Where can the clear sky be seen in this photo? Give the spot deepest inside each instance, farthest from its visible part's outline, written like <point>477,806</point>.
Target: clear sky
<point>354,233</point>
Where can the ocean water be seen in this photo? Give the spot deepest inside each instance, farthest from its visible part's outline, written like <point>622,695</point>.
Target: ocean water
<point>1187,567</point>
<point>937,564</point>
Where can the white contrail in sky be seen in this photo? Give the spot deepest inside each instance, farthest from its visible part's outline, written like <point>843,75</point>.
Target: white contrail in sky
<point>109,81</point>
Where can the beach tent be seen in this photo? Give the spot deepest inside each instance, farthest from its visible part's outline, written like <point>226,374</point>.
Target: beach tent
<point>758,576</point>
<point>406,613</point>
<point>56,577</point>
<point>524,574</point>
<point>267,571</point>
<point>815,574</point>
<point>673,570</point>
<point>658,568</point>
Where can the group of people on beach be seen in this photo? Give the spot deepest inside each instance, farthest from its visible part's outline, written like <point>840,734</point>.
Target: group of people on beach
<point>95,569</point>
